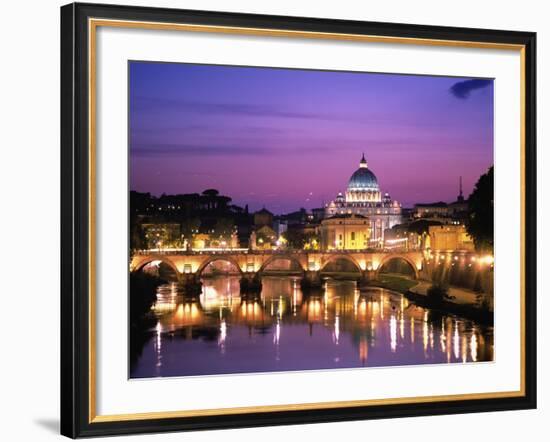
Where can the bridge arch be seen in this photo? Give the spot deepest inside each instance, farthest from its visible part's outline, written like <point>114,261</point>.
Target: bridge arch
<point>339,257</point>
<point>405,258</point>
<point>212,259</point>
<point>274,258</point>
<point>150,259</point>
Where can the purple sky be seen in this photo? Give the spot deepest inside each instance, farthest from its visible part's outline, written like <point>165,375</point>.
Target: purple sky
<point>286,139</point>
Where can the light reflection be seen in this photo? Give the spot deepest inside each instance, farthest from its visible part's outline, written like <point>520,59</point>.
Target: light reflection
<point>223,336</point>
<point>425,334</point>
<point>473,346</point>
<point>393,333</point>
<point>314,310</point>
<point>336,329</point>
<point>456,343</point>
<point>277,335</point>
<point>449,336</point>
<point>376,308</point>
<point>294,296</point>
<point>159,346</point>
<point>325,303</point>
<point>401,318</point>
<point>363,350</point>
<point>372,318</point>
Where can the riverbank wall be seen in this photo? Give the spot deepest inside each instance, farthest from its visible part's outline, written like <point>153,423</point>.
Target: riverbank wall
<point>463,305</point>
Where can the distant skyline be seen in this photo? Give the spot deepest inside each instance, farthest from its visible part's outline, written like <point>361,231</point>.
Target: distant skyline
<point>285,139</point>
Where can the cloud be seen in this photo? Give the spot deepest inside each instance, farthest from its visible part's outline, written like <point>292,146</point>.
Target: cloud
<point>166,149</point>
<point>250,110</point>
<point>177,149</point>
<point>148,129</point>
<point>462,89</point>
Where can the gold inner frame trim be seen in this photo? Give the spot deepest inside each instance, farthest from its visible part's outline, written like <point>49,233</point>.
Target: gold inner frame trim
<point>93,24</point>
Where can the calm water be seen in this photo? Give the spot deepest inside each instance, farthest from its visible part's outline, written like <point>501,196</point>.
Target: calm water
<point>281,329</point>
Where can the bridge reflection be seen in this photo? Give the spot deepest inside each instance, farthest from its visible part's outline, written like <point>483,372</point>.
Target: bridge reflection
<point>375,327</point>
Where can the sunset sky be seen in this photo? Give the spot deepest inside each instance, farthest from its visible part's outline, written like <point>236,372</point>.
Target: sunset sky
<point>285,139</point>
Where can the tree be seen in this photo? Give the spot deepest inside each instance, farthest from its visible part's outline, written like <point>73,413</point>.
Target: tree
<point>480,204</point>
<point>437,293</point>
<point>224,227</point>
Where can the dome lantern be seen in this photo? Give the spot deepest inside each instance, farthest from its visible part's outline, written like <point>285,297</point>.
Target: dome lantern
<point>363,179</point>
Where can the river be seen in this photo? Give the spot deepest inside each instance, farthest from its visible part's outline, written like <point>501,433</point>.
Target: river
<point>281,329</point>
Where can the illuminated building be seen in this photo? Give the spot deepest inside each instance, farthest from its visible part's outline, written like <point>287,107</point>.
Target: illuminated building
<point>160,235</point>
<point>450,237</point>
<point>439,209</point>
<point>363,197</point>
<point>345,232</point>
<point>206,241</point>
<point>263,238</point>
<point>401,238</point>
<point>448,213</point>
<point>263,218</point>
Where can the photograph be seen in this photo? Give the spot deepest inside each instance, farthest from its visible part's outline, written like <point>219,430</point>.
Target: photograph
<point>285,219</point>
<point>275,220</point>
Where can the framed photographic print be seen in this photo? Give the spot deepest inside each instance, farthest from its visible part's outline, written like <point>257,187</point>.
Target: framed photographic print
<point>278,220</point>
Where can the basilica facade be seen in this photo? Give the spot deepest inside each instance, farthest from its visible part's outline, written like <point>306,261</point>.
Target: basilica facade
<point>364,198</point>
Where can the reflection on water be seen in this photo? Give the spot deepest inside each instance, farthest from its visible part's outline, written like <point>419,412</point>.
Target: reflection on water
<point>283,329</point>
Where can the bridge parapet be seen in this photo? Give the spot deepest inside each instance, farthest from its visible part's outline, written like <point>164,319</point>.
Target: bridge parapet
<point>236,251</point>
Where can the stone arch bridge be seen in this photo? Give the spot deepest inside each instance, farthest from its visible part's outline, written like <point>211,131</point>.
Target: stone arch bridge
<point>255,263</point>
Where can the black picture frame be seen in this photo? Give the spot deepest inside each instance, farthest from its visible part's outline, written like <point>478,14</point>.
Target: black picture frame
<point>75,220</point>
